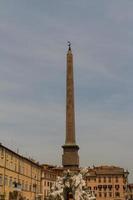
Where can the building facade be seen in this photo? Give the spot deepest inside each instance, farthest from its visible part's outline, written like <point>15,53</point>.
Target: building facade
<point>129,195</point>
<point>22,178</point>
<point>48,179</point>
<point>108,182</point>
<point>19,177</point>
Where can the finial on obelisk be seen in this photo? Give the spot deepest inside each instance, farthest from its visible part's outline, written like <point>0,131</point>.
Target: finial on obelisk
<point>69,45</point>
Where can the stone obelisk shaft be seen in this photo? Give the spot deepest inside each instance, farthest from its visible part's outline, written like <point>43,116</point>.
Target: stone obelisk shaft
<point>70,158</point>
<point>70,114</point>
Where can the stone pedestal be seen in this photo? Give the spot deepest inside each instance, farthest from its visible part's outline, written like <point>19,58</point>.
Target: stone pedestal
<point>70,158</point>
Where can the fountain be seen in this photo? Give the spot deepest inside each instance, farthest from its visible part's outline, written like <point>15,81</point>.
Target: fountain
<point>71,186</point>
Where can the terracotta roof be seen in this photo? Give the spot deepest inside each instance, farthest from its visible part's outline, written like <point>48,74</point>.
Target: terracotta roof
<point>101,170</point>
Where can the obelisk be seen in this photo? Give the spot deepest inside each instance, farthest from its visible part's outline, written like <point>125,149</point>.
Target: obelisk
<point>70,158</point>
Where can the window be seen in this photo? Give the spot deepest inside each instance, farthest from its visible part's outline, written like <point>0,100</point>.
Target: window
<point>15,167</point>
<point>44,183</point>
<point>100,194</point>
<point>104,187</point>
<point>28,187</point>
<point>38,189</point>
<point>6,180</point>
<point>15,183</point>
<point>104,179</point>
<point>100,187</point>
<point>34,187</point>
<point>10,182</point>
<point>19,185</point>
<point>109,179</point>
<point>116,179</point>
<point>99,180</point>
<point>1,179</point>
<point>117,194</point>
<point>50,184</point>
<point>2,153</point>
<point>117,187</point>
<point>23,170</point>
<point>110,187</point>
<point>110,194</point>
<point>7,158</point>
<point>22,185</point>
<point>105,194</point>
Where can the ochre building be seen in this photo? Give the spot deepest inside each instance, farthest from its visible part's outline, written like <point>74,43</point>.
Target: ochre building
<point>129,195</point>
<point>108,182</point>
<point>20,178</point>
<point>48,179</point>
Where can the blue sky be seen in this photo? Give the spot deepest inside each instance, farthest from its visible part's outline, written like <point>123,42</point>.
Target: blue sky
<point>33,46</point>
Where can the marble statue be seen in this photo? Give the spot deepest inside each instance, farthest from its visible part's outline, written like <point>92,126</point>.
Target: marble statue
<point>74,183</point>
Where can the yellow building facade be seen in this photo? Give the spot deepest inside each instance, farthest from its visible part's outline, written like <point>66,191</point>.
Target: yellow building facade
<point>23,179</point>
<point>20,178</point>
<point>108,182</point>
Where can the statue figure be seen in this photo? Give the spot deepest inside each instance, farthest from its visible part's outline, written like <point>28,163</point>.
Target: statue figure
<point>74,183</point>
<point>57,190</point>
